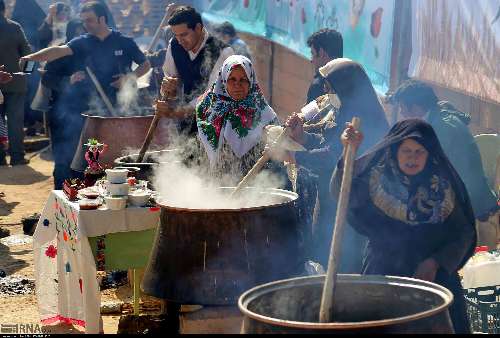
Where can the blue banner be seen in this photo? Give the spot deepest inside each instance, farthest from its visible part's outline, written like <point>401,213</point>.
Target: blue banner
<point>366,26</point>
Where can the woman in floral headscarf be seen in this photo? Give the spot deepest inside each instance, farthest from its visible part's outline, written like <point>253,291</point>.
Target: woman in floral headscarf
<point>231,118</point>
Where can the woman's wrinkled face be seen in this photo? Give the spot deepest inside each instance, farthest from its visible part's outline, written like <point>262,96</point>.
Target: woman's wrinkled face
<point>412,157</point>
<point>238,85</point>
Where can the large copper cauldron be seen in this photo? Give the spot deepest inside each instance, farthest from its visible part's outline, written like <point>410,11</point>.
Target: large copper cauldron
<point>363,304</point>
<point>121,134</point>
<point>209,257</point>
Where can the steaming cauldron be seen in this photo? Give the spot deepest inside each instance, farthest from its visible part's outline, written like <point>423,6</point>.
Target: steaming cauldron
<point>209,257</point>
<point>120,134</point>
<point>364,304</point>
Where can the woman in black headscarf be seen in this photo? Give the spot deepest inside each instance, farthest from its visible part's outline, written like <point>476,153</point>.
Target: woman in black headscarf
<point>409,201</point>
<point>349,82</point>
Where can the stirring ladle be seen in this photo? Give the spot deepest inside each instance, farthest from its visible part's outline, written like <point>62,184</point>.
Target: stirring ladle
<point>327,304</point>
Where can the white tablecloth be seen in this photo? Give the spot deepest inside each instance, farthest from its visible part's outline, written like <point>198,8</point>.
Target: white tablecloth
<point>481,274</point>
<point>65,270</point>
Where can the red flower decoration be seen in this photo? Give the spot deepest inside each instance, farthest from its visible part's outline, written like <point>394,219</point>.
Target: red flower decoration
<point>65,236</point>
<point>218,125</point>
<point>51,252</point>
<point>245,116</point>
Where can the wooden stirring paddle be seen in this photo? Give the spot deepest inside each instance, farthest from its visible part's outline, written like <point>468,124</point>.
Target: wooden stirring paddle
<point>266,155</point>
<point>326,310</point>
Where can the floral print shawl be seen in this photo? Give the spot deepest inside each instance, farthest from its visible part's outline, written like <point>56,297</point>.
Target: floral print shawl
<point>240,124</point>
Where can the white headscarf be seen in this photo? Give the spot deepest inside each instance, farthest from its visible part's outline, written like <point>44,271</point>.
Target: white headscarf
<point>239,123</point>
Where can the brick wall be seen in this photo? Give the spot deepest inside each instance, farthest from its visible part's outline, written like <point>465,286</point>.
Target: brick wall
<point>138,18</point>
<point>290,76</point>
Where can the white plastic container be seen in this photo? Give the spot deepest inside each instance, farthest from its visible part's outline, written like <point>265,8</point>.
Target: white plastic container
<point>116,203</point>
<point>117,175</point>
<point>120,189</point>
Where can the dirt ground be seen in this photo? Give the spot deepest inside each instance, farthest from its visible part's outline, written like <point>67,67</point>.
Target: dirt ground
<point>26,189</point>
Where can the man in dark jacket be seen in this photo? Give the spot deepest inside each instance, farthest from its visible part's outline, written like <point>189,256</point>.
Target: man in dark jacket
<point>326,45</point>
<point>192,63</point>
<point>418,100</point>
<point>13,45</point>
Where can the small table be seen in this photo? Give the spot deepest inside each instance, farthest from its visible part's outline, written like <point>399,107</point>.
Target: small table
<point>70,245</point>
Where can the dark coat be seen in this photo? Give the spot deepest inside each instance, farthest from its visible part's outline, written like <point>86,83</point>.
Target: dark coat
<point>433,219</point>
<point>358,98</point>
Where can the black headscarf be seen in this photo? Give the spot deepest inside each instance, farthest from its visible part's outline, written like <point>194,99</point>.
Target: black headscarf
<point>399,233</point>
<point>358,98</point>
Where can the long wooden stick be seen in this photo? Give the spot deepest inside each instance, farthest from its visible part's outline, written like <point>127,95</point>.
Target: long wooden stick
<point>326,310</point>
<point>497,176</point>
<point>101,92</point>
<point>260,163</point>
<point>149,138</point>
<point>163,23</point>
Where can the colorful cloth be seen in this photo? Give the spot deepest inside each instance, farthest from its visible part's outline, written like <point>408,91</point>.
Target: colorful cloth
<point>65,268</point>
<point>239,123</point>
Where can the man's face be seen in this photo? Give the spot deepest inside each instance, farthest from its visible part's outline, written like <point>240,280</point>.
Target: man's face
<point>91,23</point>
<point>319,58</point>
<point>188,38</point>
<point>226,38</point>
<point>412,111</point>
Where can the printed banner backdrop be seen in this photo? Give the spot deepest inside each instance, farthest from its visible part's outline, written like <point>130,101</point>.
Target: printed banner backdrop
<point>246,15</point>
<point>456,44</point>
<point>366,26</point>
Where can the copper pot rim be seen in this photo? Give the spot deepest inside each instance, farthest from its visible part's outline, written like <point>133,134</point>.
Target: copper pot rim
<point>260,290</point>
<point>285,193</point>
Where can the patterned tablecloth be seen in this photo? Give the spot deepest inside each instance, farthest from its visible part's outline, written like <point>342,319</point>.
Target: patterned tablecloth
<point>65,268</point>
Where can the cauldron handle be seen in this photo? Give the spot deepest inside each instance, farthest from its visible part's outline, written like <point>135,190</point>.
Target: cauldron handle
<point>326,309</point>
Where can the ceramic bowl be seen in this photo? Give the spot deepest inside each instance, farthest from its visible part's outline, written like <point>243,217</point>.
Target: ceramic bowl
<point>116,203</point>
<point>117,175</point>
<point>139,198</point>
<point>89,204</point>
<point>132,171</point>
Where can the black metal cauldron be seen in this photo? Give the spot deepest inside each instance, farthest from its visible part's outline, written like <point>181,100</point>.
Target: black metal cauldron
<point>209,257</point>
<point>363,304</point>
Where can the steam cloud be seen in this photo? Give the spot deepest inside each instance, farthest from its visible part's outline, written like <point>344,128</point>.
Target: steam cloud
<point>198,186</point>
